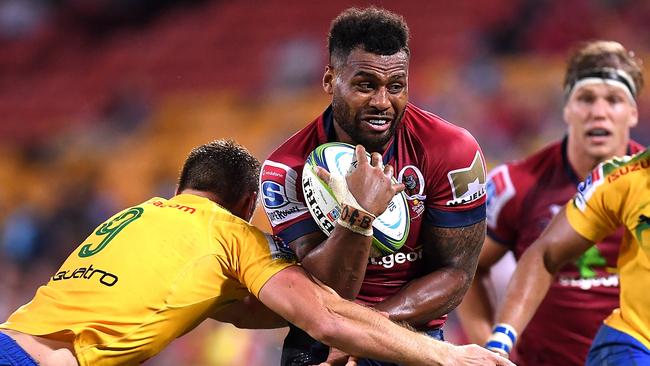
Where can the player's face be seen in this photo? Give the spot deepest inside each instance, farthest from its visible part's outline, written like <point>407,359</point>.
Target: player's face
<point>600,117</point>
<point>369,95</point>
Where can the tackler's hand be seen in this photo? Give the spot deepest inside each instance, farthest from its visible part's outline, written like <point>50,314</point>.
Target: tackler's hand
<point>473,354</point>
<point>339,358</point>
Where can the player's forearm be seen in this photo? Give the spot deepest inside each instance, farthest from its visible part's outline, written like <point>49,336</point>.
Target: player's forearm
<point>427,298</point>
<point>357,330</point>
<point>340,261</point>
<point>350,327</point>
<point>453,253</point>
<point>475,311</point>
<point>526,290</point>
<point>363,332</point>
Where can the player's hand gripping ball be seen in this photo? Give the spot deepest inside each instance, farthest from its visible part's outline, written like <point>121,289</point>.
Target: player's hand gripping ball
<point>390,229</point>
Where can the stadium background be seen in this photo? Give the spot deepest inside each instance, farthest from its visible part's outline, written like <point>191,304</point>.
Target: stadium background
<point>101,100</point>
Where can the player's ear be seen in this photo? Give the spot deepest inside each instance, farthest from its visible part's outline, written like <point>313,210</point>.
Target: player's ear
<point>634,117</point>
<point>328,80</point>
<point>245,207</point>
<point>252,205</point>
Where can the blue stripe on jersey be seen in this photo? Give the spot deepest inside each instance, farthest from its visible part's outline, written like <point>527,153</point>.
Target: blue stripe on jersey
<point>441,218</point>
<point>298,229</point>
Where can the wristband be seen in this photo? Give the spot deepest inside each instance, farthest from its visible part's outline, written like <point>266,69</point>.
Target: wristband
<point>502,339</point>
<point>356,219</point>
<point>353,216</point>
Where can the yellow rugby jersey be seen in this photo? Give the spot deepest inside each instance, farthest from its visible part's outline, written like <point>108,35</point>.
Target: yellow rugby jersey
<point>148,275</point>
<point>617,193</point>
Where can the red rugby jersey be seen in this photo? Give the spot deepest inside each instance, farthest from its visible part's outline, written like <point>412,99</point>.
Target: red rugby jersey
<point>523,196</point>
<point>441,165</point>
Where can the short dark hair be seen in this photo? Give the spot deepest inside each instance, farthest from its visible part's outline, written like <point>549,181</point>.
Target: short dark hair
<point>222,167</point>
<point>594,55</point>
<point>375,30</point>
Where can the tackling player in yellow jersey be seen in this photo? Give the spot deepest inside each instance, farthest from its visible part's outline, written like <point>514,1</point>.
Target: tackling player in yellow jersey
<point>154,271</point>
<point>617,193</point>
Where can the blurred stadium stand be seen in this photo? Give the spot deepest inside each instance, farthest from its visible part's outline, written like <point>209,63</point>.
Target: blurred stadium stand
<point>100,101</point>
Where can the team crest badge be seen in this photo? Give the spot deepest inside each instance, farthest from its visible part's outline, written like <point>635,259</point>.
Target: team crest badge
<point>413,179</point>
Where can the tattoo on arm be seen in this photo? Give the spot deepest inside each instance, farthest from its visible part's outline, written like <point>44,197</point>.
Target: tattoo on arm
<point>457,249</point>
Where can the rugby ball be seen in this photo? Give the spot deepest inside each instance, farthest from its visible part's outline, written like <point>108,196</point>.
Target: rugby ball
<point>390,229</point>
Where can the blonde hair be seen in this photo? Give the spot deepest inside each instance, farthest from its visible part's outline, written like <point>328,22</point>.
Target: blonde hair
<point>601,54</point>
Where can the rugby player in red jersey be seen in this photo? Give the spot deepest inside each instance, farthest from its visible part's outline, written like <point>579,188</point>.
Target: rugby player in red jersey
<point>440,164</point>
<point>601,84</point>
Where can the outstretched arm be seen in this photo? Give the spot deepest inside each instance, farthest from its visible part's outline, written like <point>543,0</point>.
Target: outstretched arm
<point>476,312</point>
<point>452,255</point>
<point>358,330</point>
<point>557,245</point>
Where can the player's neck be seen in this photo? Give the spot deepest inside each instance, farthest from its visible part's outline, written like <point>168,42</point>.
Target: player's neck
<point>583,163</point>
<point>209,195</point>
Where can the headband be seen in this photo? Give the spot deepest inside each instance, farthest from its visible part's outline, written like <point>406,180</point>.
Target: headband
<point>609,76</point>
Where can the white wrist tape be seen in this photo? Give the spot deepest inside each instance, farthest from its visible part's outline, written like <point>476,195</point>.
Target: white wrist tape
<point>503,338</point>
<point>339,187</point>
<point>353,216</point>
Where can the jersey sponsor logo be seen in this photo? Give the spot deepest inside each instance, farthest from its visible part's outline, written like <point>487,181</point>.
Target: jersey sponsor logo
<point>279,249</point>
<point>90,273</point>
<point>589,283</point>
<point>413,180</point>
<point>279,195</point>
<point>279,216</point>
<point>587,187</point>
<point>627,169</point>
<point>188,209</point>
<point>499,190</point>
<point>389,261</point>
<point>467,184</point>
